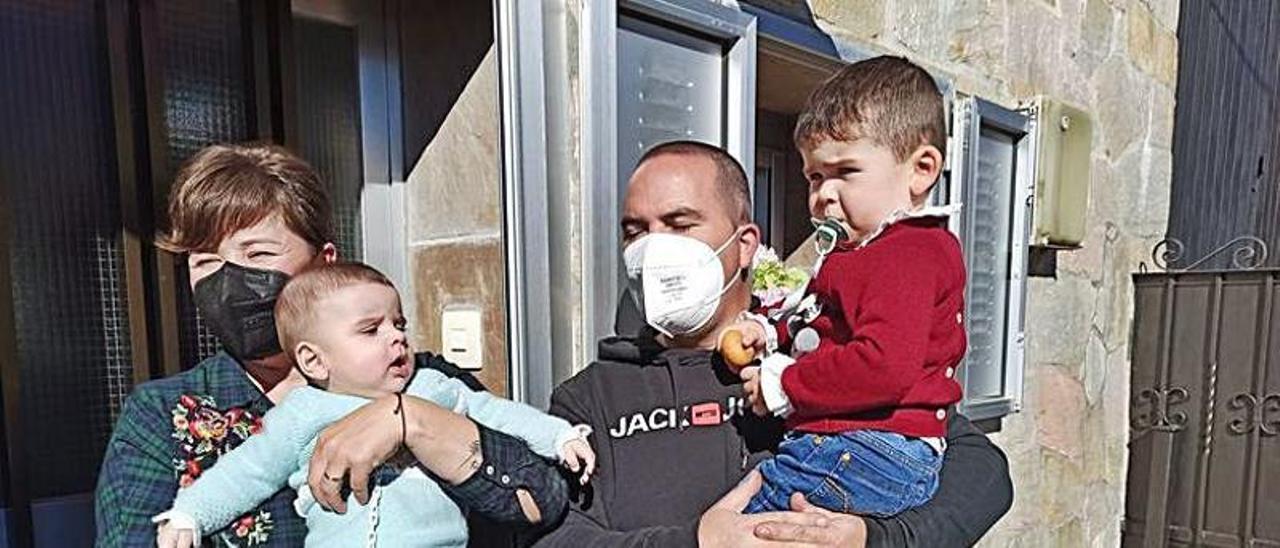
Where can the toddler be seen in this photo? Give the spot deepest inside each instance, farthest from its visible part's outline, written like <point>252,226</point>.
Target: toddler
<point>875,343</point>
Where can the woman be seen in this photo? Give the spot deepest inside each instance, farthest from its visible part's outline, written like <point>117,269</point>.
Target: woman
<point>248,218</point>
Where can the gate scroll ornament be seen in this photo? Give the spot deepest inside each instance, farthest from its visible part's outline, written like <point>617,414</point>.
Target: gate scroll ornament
<point>1249,253</point>
<point>1257,414</point>
<point>1158,401</point>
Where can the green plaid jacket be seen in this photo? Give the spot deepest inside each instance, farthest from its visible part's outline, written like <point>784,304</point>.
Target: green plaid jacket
<point>169,431</point>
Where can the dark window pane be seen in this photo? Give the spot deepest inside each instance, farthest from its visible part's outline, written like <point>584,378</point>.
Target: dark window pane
<point>58,167</point>
<point>206,101</point>
<point>329,119</point>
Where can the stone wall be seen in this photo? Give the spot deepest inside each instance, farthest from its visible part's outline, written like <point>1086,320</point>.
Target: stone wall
<point>455,223</point>
<point>1116,58</point>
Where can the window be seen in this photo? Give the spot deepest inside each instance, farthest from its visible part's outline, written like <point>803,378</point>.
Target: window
<point>991,175</point>
<point>659,70</point>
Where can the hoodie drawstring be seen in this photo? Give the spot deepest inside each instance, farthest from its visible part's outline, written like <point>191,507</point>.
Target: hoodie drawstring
<point>675,394</point>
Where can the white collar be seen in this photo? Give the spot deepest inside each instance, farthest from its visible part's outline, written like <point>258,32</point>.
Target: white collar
<point>902,214</point>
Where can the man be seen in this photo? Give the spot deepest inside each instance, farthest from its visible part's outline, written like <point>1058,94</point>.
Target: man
<point>671,428</point>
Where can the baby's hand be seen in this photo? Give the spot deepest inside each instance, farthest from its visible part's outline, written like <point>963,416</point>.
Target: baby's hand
<point>168,536</point>
<point>577,455</point>
<point>751,387</point>
<point>741,342</point>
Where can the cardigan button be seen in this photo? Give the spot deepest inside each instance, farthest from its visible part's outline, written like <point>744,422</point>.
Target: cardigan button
<point>941,414</point>
<point>489,470</point>
<point>951,372</point>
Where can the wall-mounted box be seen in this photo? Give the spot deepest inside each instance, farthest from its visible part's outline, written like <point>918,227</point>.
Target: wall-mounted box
<point>1065,139</point>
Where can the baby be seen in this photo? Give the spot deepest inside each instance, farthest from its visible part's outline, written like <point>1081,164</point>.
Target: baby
<point>343,326</point>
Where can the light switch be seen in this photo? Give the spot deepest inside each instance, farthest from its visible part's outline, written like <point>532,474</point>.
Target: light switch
<point>462,340</point>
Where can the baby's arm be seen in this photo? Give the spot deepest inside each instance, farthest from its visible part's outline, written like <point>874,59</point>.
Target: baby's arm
<point>241,480</point>
<point>547,435</point>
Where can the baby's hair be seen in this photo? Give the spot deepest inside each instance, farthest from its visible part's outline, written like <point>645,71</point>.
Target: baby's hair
<point>295,308</point>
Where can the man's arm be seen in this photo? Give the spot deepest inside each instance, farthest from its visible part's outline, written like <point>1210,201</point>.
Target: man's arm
<point>975,491</point>
<point>587,522</point>
<point>137,480</point>
<point>501,454</point>
<point>540,431</point>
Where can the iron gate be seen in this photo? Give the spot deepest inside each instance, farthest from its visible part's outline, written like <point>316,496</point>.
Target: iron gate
<point>1204,450</point>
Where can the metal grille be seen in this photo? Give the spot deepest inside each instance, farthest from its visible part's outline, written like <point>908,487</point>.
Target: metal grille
<point>329,120</point>
<point>57,162</point>
<point>1226,135</point>
<point>1204,447</point>
<point>206,101</point>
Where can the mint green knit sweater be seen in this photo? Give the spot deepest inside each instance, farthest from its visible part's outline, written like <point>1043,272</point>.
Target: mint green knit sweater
<point>406,507</point>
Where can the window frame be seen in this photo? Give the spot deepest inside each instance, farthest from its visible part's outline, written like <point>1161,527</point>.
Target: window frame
<point>969,116</point>
<point>600,199</point>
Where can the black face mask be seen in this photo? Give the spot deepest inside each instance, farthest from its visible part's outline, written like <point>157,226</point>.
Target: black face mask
<point>239,304</point>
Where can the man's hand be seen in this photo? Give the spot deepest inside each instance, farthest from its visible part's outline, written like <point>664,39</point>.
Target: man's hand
<point>835,529</point>
<point>350,449</point>
<point>724,524</point>
<point>751,387</point>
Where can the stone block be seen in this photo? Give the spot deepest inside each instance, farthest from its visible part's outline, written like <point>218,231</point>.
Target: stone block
<point>1060,414</point>
<point>1120,99</point>
<point>1057,321</point>
<point>454,188</point>
<point>862,19</point>
<point>1114,310</point>
<point>466,272</point>
<point>1096,31</point>
<point>1115,397</point>
<point>1153,47</point>
<point>1165,13</point>
<point>1103,188</point>
<point>1087,261</point>
<point>1145,199</point>
<point>1036,54</point>
<point>1068,534</point>
<point>1160,132</point>
<point>1094,375</point>
<point>964,32</point>
<point>1062,492</point>
<point>1103,512</point>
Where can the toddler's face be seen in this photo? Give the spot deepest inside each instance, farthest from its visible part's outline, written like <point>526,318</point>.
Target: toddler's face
<point>361,341</point>
<point>858,182</point>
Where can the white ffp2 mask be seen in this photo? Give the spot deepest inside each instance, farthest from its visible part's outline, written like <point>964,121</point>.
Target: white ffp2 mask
<point>676,280</point>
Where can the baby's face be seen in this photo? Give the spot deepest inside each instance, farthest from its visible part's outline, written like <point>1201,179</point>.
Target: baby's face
<point>859,182</point>
<point>362,340</point>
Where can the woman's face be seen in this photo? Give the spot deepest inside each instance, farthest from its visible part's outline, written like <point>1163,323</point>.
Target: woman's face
<point>269,245</point>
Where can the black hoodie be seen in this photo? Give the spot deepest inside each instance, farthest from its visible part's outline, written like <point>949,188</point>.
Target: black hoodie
<point>673,434</point>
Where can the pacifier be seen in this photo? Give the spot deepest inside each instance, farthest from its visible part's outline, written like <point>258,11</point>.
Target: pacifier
<point>829,233</point>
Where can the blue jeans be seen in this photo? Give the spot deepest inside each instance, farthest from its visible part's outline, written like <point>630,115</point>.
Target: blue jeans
<point>860,472</point>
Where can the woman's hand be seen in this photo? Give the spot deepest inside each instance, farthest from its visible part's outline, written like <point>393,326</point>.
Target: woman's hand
<point>348,451</point>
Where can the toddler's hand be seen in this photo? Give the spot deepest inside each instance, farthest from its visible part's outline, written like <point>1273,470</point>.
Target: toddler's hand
<point>577,455</point>
<point>751,387</point>
<point>167,536</point>
<point>741,342</point>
